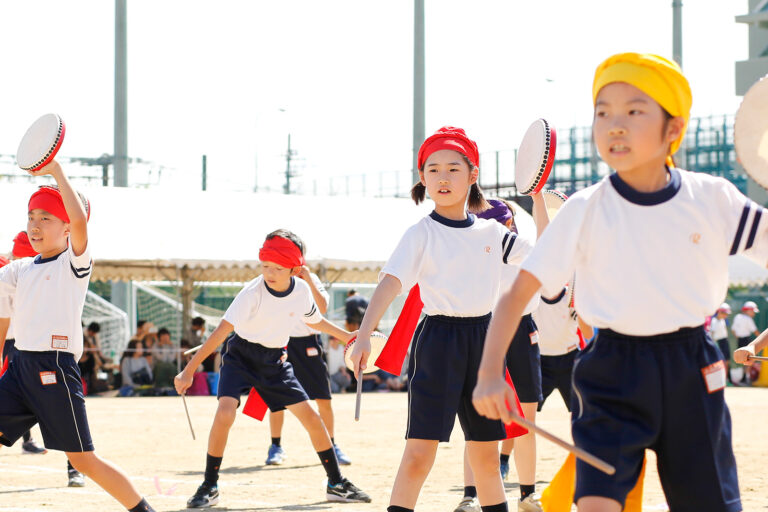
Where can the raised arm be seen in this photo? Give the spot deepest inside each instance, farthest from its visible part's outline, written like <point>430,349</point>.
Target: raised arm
<point>78,220</point>
<point>389,288</point>
<point>540,213</point>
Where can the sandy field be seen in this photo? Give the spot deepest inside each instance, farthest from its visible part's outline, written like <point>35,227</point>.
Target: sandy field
<point>149,438</point>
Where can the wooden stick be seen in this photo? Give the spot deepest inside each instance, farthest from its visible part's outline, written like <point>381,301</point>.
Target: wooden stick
<point>359,395</point>
<point>578,452</point>
<point>758,358</point>
<point>193,350</point>
<point>189,420</point>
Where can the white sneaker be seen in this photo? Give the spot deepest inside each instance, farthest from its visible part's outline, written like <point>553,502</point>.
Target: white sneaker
<point>531,503</point>
<point>468,505</point>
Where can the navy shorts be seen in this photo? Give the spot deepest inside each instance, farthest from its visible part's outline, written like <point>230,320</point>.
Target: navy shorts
<point>442,373</point>
<point>523,362</point>
<point>307,357</point>
<point>556,375</point>
<point>663,392</point>
<point>743,342</point>
<point>44,388</point>
<point>725,348</point>
<point>8,349</point>
<point>247,365</point>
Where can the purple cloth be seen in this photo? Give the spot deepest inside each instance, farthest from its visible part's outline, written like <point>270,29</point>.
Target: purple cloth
<point>498,211</point>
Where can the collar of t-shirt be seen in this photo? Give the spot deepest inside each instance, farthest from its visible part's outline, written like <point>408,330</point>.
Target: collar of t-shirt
<point>282,294</point>
<point>554,300</point>
<point>648,198</point>
<point>39,259</point>
<point>453,223</point>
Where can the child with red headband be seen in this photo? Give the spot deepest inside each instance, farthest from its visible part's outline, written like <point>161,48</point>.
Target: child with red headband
<point>456,259</point>
<point>652,378</point>
<point>42,383</point>
<point>256,328</point>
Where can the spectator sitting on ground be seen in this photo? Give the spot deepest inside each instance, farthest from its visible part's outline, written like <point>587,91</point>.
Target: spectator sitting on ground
<point>164,355</point>
<point>355,306</point>
<point>198,331</point>
<point>184,345</point>
<point>337,368</point>
<point>377,380</point>
<point>90,363</point>
<point>134,367</point>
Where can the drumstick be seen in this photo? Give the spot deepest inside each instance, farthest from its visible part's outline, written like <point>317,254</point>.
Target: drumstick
<point>359,395</point>
<point>189,420</point>
<point>578,452</point>
<point>193,350</point>
<point>758,358</point>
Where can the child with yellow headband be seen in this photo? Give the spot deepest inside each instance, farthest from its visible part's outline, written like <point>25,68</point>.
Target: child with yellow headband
<point>651,244</point>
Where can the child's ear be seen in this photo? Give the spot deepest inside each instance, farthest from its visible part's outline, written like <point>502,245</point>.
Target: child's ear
<point>675,128</point>
<point>474,174</point>
<point>295,271</point>
<point>421,178</point>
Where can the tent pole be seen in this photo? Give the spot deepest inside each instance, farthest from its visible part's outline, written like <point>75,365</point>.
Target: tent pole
<point>187,289</point>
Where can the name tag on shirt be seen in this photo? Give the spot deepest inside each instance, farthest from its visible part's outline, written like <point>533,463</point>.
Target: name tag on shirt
<point>59,342</point>
<point>534,337</point>
<point>312,351</point>
<point>714,376</point>
<point>48,378</point>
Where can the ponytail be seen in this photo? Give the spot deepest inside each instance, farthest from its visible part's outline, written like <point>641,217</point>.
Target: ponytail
<point>418,192</point>
<point>477,202</point>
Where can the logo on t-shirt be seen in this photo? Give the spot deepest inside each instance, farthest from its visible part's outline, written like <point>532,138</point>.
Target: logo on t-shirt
<point>696,238</point>
<point>59,342</point>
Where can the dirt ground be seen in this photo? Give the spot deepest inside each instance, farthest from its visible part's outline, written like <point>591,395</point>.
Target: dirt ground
<point>149,438</point>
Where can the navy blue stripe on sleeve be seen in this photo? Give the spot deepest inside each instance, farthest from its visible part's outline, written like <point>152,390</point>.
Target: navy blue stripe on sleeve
<point>512,237</point>
<point>755,224</point>
<point>311,311</point>
<point>740,230</point>
<point>80,272</point>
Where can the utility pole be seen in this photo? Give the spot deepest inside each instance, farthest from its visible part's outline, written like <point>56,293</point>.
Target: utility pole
<point>677,31</point>
<point>121,95</point>
<point>418,84</point>
<point>288,173</point>
<point>205,172</point>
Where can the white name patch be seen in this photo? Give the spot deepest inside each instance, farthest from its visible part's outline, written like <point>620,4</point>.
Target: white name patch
<point>48,378</point>
<point>534,337</point>
<point>312,351</point>
<point>714,376</point>
<point>59,342</point>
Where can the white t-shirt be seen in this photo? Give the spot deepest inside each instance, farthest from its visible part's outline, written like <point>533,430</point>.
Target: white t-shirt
<point>508,275</point>
<point>335,358</point>
<point>6,311</point>
<point>743,326</point>
<point>264,316</point>
<point>649,263</point>
<point>457,264</point>
<point>301,329</point>
<point>556,326</point>
<point>718,328</point>
<point>48,298</point>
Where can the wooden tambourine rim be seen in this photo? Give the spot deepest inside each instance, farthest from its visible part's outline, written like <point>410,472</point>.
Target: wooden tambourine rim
<point>756,167</point>
<point>547,159</point>
<point>378,341</point>
<point>52,150</point>
<point>553,200</point>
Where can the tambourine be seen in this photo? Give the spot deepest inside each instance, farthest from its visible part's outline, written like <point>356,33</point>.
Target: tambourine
<point>378,341</point>
<point>750,132</point>
<point>535,157</point>
<point>40,143</point>
<point>553,199</point>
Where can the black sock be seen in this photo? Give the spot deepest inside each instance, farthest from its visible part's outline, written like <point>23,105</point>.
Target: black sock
<point>331,466</point>
<point>27,436</point>
<point>526,490</point>
<point>70,467</point>
<point>395,508</point>
<point>504,457</point>
<point>333,441</point>
<point>470,491</point>
<point>276,441</point>
<point>212,465</point>
<point>499,507</point>
<point>143,506</point>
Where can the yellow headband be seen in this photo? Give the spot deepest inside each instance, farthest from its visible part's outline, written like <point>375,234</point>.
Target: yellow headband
<point>659,78</point>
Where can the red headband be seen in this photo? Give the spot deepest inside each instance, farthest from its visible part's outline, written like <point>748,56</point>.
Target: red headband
<point>3,261</point>
<point>281,251</point>
<point>448,137</point>
<point>49,199</point>
<point>21,246</point>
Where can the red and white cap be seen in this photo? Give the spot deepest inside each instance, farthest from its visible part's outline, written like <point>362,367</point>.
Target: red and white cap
<point>750,305</point>
<point>725,308</point>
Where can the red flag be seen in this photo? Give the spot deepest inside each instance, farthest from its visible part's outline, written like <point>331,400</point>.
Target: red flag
<point>392,356</point>
<point>513,429</point>
<point>255,406</point>
<point>582,343</point>
<point>4,366</point>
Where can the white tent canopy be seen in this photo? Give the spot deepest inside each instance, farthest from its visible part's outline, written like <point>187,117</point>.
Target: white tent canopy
<point>155,234</point>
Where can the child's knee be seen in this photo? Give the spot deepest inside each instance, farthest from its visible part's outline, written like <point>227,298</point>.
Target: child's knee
<point>84,462</point>
<point>226,413</point>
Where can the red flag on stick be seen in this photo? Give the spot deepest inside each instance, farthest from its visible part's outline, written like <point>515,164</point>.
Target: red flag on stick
<point>513,429</point>
<point>4,366</point>
<point>392,357</point>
